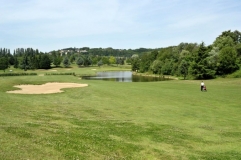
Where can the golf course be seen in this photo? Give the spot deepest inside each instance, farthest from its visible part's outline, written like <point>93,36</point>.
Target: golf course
<point>110,120</point>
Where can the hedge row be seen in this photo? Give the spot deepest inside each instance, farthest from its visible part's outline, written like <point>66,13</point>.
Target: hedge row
<point>18,74</point>
<point>53,74</point>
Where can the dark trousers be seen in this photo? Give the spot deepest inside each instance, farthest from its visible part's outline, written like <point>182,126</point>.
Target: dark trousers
<point>201,88</point>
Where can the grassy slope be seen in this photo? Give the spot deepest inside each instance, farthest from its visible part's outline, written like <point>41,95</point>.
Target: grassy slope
<point>111,120</point>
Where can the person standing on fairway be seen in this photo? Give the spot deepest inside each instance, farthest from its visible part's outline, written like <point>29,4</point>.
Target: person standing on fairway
<point>202,85</point>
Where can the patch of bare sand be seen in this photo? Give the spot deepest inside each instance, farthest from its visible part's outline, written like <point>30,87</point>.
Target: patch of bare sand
<point>47,88</point>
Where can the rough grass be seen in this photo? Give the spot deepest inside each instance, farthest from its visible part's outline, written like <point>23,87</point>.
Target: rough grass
<point>236,74</point>
<point>112,120</point>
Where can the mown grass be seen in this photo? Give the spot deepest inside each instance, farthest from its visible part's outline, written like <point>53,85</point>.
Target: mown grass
<point>112,120</point>
<point>91,70</point>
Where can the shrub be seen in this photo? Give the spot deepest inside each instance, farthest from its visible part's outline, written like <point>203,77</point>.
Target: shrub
<point>18,74</point>
<point>54,74</point>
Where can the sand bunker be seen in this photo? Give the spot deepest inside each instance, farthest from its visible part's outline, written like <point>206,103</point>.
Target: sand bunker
<point>45,88</point>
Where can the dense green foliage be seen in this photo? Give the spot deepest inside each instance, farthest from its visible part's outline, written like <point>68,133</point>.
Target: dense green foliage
<point>29,58</point>
<point>66,62</point>
<point>60,74</point>
<point>195,60</point>
<point>3,63</point>
<point>17,74</point>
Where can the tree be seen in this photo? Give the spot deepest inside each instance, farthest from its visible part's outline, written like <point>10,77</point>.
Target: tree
<point>87,60</point>
<point>128,60</point>
<point>3,63</point>
<point>227,61</point>
<point>120,61</point>
<point>156,66</point>
<point>135,64</point>
<point>105,60</point>
<point>34,62</point>
<point>199,66</point>
<point>80,61</point>
<point>235,36</point>
<point>16,63</point>
<point>167,67</point>
<point>66,62</point>
<point>45,62</point>
<point>134,56</point>
<point>100,63</point>
<point>212,58</point>
<point>146,61</point>
<point>25,63</point>
<point>222,42</point>
<point>95,60</point>
<point>184,53</point>
<point>57,60</point>
<point>238,48</point>
<point>11,59</point>
<point>112,60</point>
<point>183,68</point>
<point>72,58</point>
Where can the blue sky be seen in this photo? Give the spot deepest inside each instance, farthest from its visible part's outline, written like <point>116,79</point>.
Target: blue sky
<point>124,24</point>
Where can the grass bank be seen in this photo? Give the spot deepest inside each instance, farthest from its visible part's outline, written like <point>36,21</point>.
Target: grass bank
<point>111,120</point>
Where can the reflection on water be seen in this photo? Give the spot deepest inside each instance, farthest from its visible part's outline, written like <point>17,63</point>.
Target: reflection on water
<point>123,76</point>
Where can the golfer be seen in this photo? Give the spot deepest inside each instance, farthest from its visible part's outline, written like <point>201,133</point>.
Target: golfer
<point>202,85</point>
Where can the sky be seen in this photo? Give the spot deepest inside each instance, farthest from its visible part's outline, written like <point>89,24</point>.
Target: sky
<point>50,25</point>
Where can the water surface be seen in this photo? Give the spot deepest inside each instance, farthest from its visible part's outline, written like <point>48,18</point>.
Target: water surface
<point>123,76</point>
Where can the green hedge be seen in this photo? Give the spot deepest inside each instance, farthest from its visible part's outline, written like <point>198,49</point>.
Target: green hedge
<point>64,73</point>
<point>18,74</point>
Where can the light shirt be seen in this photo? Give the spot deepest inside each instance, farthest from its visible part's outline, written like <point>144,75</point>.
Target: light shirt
<point>202,84</point>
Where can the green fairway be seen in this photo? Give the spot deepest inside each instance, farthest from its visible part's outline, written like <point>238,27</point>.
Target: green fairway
<point>112,120</point>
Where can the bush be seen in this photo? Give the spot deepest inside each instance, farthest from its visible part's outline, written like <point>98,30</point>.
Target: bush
<point>18,74</point>
<point>54,74</point>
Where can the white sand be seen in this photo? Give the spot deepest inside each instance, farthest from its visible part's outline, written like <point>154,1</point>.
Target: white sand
<point>45,88</point>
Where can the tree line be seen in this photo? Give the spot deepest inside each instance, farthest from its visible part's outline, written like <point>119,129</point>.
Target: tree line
<point>193,60</point>
<point>107,51</point>
<point>24,59</point>
<point>31,59</point>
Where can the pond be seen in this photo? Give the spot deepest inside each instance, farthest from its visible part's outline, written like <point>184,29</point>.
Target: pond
<point>123,76</point>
